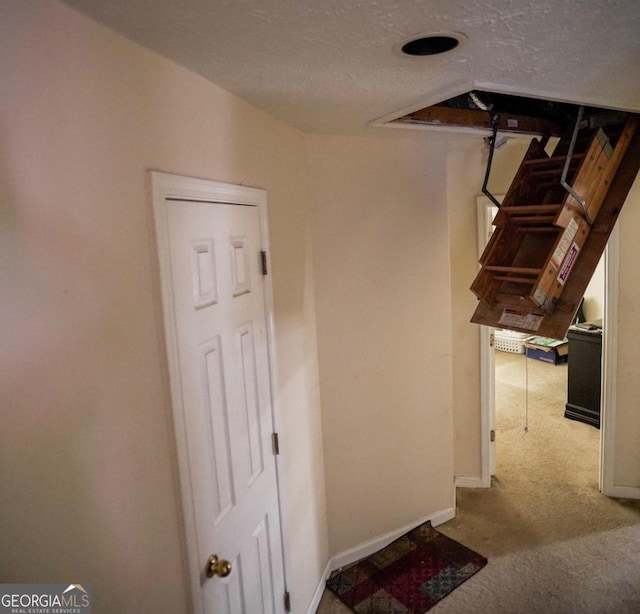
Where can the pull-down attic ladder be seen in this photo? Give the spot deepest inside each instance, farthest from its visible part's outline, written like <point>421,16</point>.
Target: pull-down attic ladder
<point>546,244</point>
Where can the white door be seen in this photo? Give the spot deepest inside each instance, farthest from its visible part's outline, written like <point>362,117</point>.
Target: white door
<point>222,397</point>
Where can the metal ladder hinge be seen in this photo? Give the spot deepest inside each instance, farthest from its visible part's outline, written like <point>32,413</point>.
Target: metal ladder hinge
<point>287,601</point>
<point>276,443</point>
<point>263,262</point>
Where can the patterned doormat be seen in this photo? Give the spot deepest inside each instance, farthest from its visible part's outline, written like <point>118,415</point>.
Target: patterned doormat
<point>409,576</point>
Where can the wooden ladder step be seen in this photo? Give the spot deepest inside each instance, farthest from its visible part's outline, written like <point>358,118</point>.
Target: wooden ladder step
<point>549,183</point>
<point>516,270</point>
<point>514,274</point>
<point>521,216</point>
<point>552,208</point>
<point>553,161</point>
<point>548,175</point>
<point>547,170</point>
<point>514,300</point>
<point>522,219</point>
<point>517,280</point>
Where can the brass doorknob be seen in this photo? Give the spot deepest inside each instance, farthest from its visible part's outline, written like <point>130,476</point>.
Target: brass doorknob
<point>217,567</point>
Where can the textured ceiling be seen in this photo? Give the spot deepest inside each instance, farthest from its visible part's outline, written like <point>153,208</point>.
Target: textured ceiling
<point>332,66</point>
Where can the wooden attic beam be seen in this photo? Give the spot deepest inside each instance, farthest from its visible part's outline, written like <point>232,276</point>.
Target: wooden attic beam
<point>438,115</point>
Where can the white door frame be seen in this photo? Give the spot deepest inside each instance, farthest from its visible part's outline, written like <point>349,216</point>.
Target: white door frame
<point>609,374</point>
<point>487,362</point>
<point>606,478</point>
<point>163,186</point>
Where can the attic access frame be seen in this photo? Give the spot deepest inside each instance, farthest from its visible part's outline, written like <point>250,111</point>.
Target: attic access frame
<point>453,109</point>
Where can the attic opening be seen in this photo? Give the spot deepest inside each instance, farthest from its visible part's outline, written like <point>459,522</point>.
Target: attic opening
<point>518,115</point>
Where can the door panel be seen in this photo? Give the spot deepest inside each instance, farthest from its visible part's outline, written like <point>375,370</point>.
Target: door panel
<point>217,424</point>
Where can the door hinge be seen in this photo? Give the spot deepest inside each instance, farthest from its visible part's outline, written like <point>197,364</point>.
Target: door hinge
<point>263,262</point>
<point>287,601</point>
<point>492,339</point>
<point>492,435</point>
<point>276,443</point>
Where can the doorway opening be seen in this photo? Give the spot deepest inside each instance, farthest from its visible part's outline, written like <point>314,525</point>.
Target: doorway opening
<point>540,441</point>
<point>486,211</point>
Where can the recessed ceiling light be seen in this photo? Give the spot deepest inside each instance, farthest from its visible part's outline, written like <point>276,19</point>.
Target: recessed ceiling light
<point>432,44</point>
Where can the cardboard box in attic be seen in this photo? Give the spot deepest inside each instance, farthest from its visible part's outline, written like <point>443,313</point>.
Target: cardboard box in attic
<point>546,349</point>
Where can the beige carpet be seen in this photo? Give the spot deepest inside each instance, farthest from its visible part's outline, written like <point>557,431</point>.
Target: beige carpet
<point>555,544</point>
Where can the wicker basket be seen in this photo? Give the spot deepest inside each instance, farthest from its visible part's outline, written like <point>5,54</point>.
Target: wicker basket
<point>509,341</point>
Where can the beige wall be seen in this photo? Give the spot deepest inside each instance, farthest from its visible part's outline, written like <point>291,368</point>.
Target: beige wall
<point>86,450</point>
<point>381,263</point>
<point>466,166</point>
<point>594,295</point>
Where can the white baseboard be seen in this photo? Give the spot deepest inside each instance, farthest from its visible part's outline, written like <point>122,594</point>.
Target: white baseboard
<point>369,547</point>
<point>373,545</point>
<point>469,483</point>
<point>624,492</point>
<point>317,596</point>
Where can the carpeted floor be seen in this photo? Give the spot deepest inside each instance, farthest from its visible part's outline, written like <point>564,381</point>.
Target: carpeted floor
<point>555,545</point>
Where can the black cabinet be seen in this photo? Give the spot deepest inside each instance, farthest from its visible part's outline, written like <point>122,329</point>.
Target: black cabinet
<point>585,375</point>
